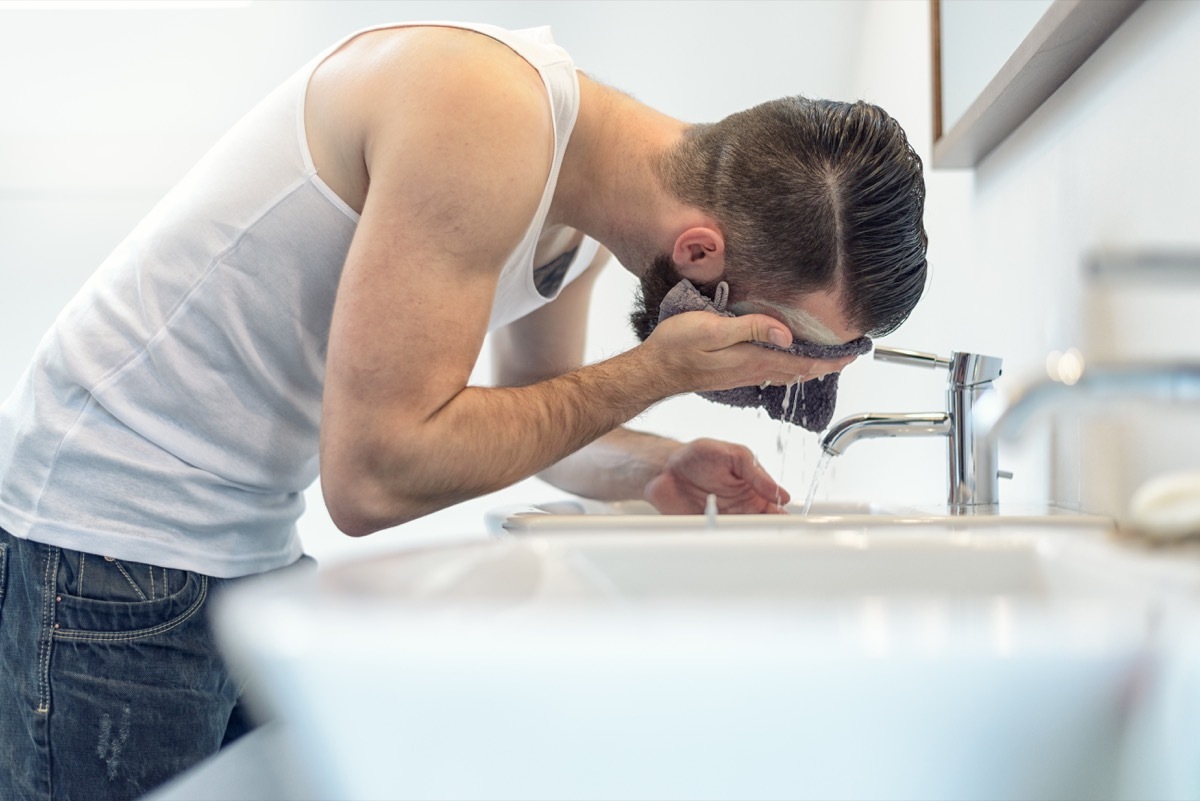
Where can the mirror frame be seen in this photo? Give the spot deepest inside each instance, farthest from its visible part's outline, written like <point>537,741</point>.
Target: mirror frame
<point>1066,35</point>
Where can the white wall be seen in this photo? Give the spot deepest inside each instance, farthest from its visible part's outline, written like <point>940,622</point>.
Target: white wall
<point>1108,163</point>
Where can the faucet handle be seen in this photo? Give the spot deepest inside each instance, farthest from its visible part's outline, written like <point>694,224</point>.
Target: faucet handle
<point>913,357</point>
<point>966,369</point>
<point>971,369</point>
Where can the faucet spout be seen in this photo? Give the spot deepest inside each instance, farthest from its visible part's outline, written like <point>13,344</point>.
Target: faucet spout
<point>873,425</point>
<point>970,460</point>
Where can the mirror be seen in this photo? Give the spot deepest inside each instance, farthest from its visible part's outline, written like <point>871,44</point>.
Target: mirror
<point>996,61</point>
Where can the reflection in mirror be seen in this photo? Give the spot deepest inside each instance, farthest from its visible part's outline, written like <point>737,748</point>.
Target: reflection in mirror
<point>996,61</point>
<point>978,36</point>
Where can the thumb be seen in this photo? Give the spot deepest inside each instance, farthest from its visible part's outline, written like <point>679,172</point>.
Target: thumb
<point>764,328</point>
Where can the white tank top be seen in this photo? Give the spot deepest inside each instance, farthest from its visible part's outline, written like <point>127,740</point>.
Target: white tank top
<point>171,414</point>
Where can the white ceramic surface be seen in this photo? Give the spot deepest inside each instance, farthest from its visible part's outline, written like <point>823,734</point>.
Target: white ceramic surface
<point>573,514</point>
<point>834,661</point>
<point>918,560</point>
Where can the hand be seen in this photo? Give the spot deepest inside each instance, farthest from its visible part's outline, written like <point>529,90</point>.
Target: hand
<point>727,470</point>
<point>698,351</point>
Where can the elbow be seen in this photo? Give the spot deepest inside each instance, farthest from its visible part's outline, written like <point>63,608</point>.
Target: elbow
<point>352,524</point>
<point>351,518</point>
<point>358,500</point>
<point>358,509</point>
<point>367,489</point>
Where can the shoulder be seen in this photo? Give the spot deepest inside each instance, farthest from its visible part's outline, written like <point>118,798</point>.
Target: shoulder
<point>456,89</point>
<point>452,130</point>
<point>409,81</point>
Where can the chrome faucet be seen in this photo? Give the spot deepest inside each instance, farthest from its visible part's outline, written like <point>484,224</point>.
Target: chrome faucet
<point>971,458</point>
<point>1087,386</point>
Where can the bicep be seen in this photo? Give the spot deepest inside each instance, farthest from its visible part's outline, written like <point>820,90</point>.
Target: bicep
<point>447,204</point>
<point>549,341</point>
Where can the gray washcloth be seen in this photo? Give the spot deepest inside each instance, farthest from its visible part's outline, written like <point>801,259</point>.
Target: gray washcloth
<point>809,405</point>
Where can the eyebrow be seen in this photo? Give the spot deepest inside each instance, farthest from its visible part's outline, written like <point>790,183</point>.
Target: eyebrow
<point>804,325</point>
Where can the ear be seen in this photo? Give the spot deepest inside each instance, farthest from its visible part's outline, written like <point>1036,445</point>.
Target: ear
<point>699,255</point>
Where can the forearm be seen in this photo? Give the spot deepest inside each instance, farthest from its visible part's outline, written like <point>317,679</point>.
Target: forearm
<point>484,439</point>
<point>616,466</point>
<point>397,445</point>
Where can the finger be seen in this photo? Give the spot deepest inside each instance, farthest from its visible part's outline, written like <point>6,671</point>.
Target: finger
<point>762,483</point>
<point>760,328</point>
<point>820,369</point>
<point>772,491</point>
<point>837,365</point>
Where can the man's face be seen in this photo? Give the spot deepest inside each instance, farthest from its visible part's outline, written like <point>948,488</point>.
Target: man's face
<point>812,316</point>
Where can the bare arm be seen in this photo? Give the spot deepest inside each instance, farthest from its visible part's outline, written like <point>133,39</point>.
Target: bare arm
<point>675,476</point>
<point>550,342</point>
<point>457,150</point>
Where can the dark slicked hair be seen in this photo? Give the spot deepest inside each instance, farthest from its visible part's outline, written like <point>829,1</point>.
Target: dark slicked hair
<point>812,195</point>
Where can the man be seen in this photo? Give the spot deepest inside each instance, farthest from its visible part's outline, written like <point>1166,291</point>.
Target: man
<point>318,290</point>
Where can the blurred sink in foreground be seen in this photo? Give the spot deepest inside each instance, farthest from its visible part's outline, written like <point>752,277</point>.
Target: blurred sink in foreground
<point>914,661</point>
<point>1018,561</point>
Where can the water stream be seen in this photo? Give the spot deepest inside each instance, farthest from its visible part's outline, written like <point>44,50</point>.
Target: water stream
<point>781,440</point>
<point>793,400</point>
<point>818,474</point>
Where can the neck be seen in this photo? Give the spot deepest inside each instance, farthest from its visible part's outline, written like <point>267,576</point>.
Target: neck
<point>607,186</point>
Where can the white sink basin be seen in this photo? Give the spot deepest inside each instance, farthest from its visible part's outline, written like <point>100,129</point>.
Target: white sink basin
<point>913,561</point>
<point>921,660</point>
<point>570,515</point>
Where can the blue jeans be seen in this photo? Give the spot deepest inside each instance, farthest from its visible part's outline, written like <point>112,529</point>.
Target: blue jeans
<point>110,678</point>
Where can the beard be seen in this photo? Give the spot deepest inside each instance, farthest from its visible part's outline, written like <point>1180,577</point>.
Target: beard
<point>658,279</point>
